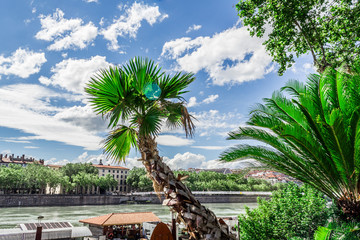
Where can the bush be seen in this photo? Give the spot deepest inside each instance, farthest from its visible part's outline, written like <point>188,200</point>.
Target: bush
<point>292,212</point>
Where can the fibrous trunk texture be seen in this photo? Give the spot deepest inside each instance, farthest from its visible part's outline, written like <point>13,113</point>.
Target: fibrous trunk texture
<point>350,207</point>
<point>199,221</point>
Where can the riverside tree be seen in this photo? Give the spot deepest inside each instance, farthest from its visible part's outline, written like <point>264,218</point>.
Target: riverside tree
<point>312,133</point>
<point>137,98</point>
<point>327,29</point>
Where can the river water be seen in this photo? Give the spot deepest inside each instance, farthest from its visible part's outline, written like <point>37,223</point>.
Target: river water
<point>10,217</point>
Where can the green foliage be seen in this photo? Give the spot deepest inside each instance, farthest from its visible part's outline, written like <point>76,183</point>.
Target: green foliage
<point>72,169</point>
<point>338,230</point>
<point>120,94</point>
<point>34,178</point>
<point>311,134</point>
<point>138,180</point>
<point>292,212</point>
<point>205,181</point>
<point>328,29</point>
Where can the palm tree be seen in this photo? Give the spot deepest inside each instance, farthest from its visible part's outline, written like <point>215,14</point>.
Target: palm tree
<point>138,98</point>
<point>312,134</point>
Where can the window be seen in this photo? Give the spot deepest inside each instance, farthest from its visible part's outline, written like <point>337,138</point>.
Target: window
<point>121,182</point>
<point>117,188</point>
<point>113,171</point>
<point>124,189</point>
<point>125,172</point>
<point>103,174</point>
<point>125,177</point>
<point>103,170</point>
<point>120,188</point>
<point>125,182</point>
<point>121,171</point>
<point>117,176</point>
<point>117,171</point>
<point>121,176</point>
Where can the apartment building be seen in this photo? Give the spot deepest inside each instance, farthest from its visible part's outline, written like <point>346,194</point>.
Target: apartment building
<point>118,173</point>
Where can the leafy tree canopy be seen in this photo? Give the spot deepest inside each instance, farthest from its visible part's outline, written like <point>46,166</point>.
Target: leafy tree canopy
<point>328,29</point>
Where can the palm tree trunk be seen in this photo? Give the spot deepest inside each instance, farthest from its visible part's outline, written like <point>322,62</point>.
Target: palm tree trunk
<point>199,221</point>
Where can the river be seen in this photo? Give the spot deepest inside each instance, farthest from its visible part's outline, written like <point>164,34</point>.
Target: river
<point>10,217</point>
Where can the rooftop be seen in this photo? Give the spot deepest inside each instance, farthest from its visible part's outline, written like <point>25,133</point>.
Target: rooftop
<point>122,219</point>
<point>108,166</point>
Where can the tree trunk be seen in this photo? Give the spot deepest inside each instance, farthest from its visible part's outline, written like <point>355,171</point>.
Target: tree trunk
<point>199,221</point>
<point>350,207</point>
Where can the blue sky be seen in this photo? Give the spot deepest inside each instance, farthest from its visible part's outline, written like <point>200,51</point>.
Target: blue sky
<point>50,49</point>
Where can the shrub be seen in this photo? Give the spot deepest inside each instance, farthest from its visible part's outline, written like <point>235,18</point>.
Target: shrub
<point>291,212</point>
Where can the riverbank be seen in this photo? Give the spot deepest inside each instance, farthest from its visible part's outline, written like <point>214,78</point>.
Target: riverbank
<point>34,200</point>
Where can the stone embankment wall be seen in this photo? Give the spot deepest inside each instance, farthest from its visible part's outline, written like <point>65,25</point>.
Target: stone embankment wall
<point>74,200</point>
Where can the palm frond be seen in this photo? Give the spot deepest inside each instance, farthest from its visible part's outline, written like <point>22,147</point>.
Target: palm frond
<point>118,143</point>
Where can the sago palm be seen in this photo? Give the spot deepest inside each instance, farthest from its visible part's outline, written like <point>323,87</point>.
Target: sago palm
<point>311,133</point>
<point>138,98</point>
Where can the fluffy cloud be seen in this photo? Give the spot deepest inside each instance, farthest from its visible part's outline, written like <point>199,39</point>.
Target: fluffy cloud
<point>185,161</point>
<point>170,140</point>
<point>73,74</point>
<point>215,123</point>
<point>191,160</point>
<point>192,102</point>
<point>82,116</point>
<point>193,28</point>
<point>129,23</point>
<point>65,33</point>
<point>229,57</point>
<point>210,99</point>
<point>213,164</point>
<point>21,63</point>
<point>29,108</point>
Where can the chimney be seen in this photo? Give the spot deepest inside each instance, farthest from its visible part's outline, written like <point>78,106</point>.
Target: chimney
<point>101,162</point>
<point>1,157</point>
<point>23,157</point>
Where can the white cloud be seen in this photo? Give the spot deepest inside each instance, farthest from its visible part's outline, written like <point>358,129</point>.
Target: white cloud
<point>54,161</point>
<point>185,161</point>
<point>66,33</point>
<point>129,23</point>
<point>95,159</point>
<point>31,147</point>
<point>14,140</point>
<point>192,102</point>
<point>191,160</point>
<point>29,108</point>
<point>170,140</point>
<point>90,1</point>
<point>229,57</point>
<point>22,63</point>
<point>210,99</point>
<point>309,68</point>
<point>73,74</point>
<point>213,164</point>
<point>194,27</point>
<point>215,123</point>
<point>82,116</point>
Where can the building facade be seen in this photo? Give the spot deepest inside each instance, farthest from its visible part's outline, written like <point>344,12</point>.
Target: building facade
<point>118,173</point>
<point>5,160</point>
